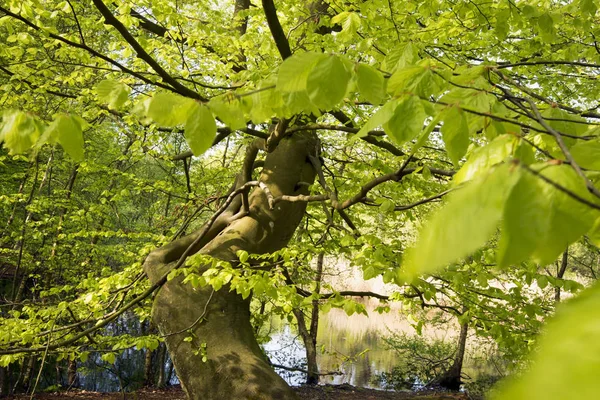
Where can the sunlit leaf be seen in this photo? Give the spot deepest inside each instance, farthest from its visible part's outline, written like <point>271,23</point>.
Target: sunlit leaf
<point>328,82</point>
<point>293,73</point>
<point>19,131</point>
<point>200,129</point>
<point>483,158</point>
<point>455,132</point>
<point>113,93</point>
<point>407,120</point>
<point>587,154</point>
<point>568,359</point>
<point>464,223</point>
<point>370,83</point>
<point>540,220</point>
<point>169,109</point>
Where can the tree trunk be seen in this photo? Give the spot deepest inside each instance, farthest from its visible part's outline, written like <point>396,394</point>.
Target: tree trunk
<point>72,380</point>
<point>560,272</point>
<point>4,381</point>
<point>452,378</point>
<point>161,365</point>
<point>236,368</point>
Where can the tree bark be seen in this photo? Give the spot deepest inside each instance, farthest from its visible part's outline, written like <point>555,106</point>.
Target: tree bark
<point>161,365</point>
<point>72,380</point>
<point>452,378</point>
<point>236,367</point>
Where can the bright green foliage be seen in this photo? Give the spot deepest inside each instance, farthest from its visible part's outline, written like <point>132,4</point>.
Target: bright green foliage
<point>67,131</point>
<point>327,82</point>
<point>540,220</point>
<point>381,117</point>
<point>168,109</point>
<point>229,111</point>
<point>586,154</point>
<point>113,93</point>
<point>446,80</point>
<point>483,158</point>
<point>455,132</point>
<point>566,365</point>
<point>350,22</point>
<point>370,83</point>
<point>419,80</point>
<point>407,120</point>
<point>294,72</point>
<point>465,223</point>
<point>200,129</point>
<point>19,131</point>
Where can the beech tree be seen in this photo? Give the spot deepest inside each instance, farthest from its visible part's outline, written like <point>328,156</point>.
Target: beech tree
<point>366,113</point>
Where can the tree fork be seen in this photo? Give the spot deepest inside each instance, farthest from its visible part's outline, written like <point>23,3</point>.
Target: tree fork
<point>235,367</point>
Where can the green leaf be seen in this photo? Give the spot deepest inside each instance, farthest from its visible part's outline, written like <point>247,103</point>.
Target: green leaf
<point>464,223</point>
<point>169,109</point>
<point>293,73</point>
<point>113,93</point>
<point>350,22</point>
<point>400,57</point>
<point>407,121</point>
<point>455,132</point>
<point>565,122</point>
<point>328,82</point>
<point>594,233</point>
<point>200,129</point>
<point>546,25</point>
<point>422,139</point>
<point>381,117</point>
<point>470,99</point>
<point>370,83</point>
<point>109,357</point>
<point>19,131</point>
<point>502,27</point>
<point>229,111</point>
<point>567,362</point>
<point>588,7</point>
<point>483,158</point>
<point>419,80</point>
<point>540,221</point>
<point>67,131</point>
<point>587,154</point>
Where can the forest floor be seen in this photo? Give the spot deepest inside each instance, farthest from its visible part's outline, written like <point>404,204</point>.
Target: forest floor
<point>325,392</point>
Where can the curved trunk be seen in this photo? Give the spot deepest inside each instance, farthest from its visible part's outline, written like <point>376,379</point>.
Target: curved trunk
<point>236,368</point>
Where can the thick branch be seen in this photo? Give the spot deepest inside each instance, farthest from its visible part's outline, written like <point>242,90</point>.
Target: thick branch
<point>276,30</point>
<point>110,19</point>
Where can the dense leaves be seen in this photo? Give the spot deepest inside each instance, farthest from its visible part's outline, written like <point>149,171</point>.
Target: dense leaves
<point>494,101</point>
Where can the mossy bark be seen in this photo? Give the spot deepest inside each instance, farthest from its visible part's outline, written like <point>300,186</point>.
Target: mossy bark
<point>236,367</point>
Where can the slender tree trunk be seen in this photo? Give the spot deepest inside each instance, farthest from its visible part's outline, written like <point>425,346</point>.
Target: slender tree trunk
<point>28,373</point>
<point>72,380</point>
<point>560,272</point>
<point>161,365</point>
<point>236,368</point>
<point>452,378</point>
<point>4,381</point>
<point>309,335</point>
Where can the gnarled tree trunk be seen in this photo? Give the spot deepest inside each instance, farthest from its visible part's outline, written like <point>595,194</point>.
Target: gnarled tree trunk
<point>236,367</point>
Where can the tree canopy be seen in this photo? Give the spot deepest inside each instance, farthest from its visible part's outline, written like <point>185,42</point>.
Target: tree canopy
<point>450,147</point>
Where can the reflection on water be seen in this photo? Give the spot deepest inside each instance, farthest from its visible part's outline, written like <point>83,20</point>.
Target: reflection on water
<point>351,345</point>
<point>354,346</point>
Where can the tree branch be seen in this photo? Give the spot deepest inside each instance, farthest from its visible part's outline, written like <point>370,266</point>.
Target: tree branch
<point>110,19</point>
<point>276,30</point>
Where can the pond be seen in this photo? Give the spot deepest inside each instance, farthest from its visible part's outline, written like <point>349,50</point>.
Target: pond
<point>354,345</point>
